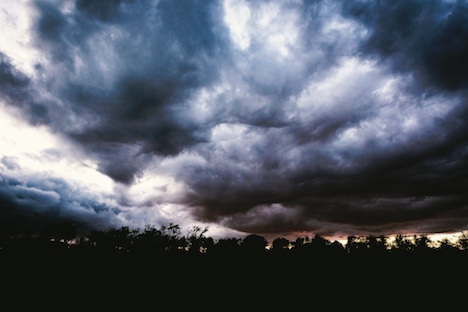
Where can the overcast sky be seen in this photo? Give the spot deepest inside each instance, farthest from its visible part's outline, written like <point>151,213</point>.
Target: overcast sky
<point>268,117</point>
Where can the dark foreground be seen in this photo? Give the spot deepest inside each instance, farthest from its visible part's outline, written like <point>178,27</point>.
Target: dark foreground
<point>60,277</point>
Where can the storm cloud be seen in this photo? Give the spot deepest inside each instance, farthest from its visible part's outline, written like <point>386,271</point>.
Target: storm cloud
<point>28,205</point>
<point>332,117</point>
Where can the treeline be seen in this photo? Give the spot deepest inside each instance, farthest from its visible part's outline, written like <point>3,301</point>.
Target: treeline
<point>164,268</point>
<point>169,239</point>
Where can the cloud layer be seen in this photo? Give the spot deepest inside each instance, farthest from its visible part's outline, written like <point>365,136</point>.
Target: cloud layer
<point>271,117</point>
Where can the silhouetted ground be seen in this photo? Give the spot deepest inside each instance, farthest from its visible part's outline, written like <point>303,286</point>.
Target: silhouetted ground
<point>37,274</point>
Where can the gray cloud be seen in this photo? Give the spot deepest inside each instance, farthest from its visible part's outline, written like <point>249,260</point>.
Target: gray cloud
<point>425,38</point>
<point>16,89</point>
<point>106,10</point>
<point>11,80</point>
<point>28,206</point>
<point>332,117</point>
<point>137,73</point>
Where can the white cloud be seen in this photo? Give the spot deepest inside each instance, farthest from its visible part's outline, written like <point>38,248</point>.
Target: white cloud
<point>38,150</point>
<point>346,85</point>
<point>16,39</point>
<point>36,158</point>
<point>237,15</point>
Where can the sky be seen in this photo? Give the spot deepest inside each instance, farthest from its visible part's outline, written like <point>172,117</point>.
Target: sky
<point>269,117</point>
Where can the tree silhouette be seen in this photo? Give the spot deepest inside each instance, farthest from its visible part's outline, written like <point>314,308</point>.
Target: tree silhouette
<point>462,241</point>
<point>447,247</point>
<point>368,245</point>
<point>114,264</point>
<point>319,244</point>
<point>61,231</point>
<point>298,242</point>
<point>151,240</point>
<point>422,243</point>
<point>197,241</point>
<point>226,247</point>
<point>173,239</point>
<point>301,245</point>
<point>356,245</point>
<point>377,245</point>
<point>280,245</point>
<point>336,248</point>
<point>403,244</point>
<point>254,244</point>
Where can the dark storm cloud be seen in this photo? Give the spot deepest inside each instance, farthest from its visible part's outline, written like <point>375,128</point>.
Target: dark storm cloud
<point>15,89</point>
<point>163,55</point>
<point>373,189</point>
<point>27,207</point>
<point>427,38</point>
<point>333,117</point>
<point>12,82</point>
<point>105,10</point>
<point>403,187</point>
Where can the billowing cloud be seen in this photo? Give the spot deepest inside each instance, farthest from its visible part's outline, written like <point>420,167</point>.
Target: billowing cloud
<point>423,38</point>
<point>270,117</point>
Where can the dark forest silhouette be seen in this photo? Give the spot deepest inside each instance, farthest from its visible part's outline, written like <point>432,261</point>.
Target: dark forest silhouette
<point>169,239</point>
<point>124,269</point>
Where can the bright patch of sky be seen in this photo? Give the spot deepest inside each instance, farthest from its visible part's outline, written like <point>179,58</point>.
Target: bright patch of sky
<point>36,149</point>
